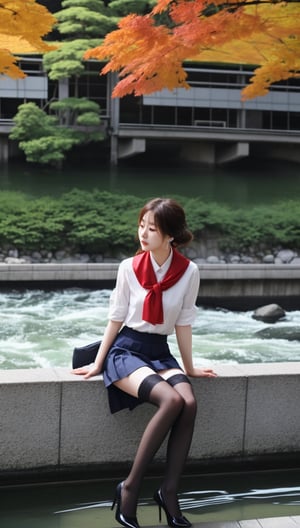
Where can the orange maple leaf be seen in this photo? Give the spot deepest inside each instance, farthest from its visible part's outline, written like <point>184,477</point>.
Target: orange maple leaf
<point>29,22</point>
<point>149,56</point>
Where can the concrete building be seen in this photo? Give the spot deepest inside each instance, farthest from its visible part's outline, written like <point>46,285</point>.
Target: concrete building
<point>207,124</point>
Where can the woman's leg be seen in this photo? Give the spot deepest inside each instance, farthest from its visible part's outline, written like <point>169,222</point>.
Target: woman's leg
<point>151,387</point>
<point>179,441</point>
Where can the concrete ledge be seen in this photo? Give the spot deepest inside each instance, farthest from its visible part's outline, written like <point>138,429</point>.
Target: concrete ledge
<point>234,286</point>
<point>50,418</point>
<point>57,272</point>
<point>108,271</point>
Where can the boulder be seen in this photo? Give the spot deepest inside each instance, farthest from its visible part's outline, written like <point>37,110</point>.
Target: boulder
<point>270,313</point>
<point>212,259</point>
<point>268,259</point>
<point>14,260</point>
<point>291,333</point>
<point>286,255</point>
<point>245,259</point>
<point>234,259</point>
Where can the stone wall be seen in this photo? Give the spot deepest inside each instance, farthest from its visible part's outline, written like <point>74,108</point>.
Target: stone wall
<point>236,286</point>
<point>50,418</point>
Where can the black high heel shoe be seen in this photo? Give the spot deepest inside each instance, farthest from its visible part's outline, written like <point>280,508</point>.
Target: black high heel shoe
<point>172,521</point>
<point>130,522</point>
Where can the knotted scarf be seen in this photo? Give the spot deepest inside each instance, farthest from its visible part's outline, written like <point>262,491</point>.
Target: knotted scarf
<point>143,269</point>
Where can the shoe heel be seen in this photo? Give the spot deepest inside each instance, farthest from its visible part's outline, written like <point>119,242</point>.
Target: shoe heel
<point>129,522</point>
<point>159,513</point>
<point>175,522</point>
<point>115,500</point>
<point>156,497</point>
<point>113,503</point>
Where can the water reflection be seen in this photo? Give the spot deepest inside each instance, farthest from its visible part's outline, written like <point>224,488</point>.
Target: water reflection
<point>195,500</point>
<point>250,182</point>
<point>213,497</point>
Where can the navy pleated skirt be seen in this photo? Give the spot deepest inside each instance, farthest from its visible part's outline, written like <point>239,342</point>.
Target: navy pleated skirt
<point>132,350</point>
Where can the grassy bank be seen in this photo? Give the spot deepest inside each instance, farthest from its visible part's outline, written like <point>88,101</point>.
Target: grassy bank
<point>102,222</point>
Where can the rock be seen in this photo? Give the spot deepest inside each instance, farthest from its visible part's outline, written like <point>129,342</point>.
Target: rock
<point>295,261</point>
<point>200,261</point>
<point>270,313</point>
<point>268,259</point>
<point>36,256</point>
<point>59,255</point>
<point>286,255</point>
<point>109,260</point>
<point>13,260</point>
<point>213,260</point>
<point>277,260</point>
<point>291,333</point>
<point>84,258</point>
<point>70,260</point>
<point>234,259</point>
<point>27,259</point>
<point>245,259</point>
<point>191,253</point>
<point>13,253</point>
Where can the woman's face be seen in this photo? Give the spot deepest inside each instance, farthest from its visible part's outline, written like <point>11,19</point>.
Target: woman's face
<point>150,237</point>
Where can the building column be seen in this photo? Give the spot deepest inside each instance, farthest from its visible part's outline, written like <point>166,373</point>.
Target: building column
<point>4,151</point>
<point>114,113</point>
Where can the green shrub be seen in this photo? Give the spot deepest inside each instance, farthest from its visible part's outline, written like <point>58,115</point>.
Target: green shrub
<point>103,222</point>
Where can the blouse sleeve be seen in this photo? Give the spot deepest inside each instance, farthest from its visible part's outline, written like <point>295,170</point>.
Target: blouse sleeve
<point>119,300</point>
<point>189,310</point>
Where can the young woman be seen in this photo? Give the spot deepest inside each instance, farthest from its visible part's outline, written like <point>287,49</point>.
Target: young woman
<point>155,293</point>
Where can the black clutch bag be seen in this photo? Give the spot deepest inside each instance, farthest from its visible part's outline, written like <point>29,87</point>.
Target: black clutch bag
<point>85,355</point>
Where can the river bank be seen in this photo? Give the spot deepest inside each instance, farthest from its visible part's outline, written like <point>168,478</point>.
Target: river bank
<point>197,252</point>
<point>250,412</point>
<point>233,286</point>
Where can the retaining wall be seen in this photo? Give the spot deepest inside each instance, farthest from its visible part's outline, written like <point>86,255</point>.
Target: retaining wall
<point>236,286</point>
<point>50,418</point>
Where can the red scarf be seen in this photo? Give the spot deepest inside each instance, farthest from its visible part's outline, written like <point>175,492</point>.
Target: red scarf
<point>142,266</point>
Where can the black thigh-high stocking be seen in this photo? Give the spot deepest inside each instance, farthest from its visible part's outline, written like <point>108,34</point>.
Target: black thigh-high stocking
<point>179,442</point>
<point>169,405</point>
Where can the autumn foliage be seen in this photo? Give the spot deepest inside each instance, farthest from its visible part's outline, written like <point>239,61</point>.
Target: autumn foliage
<point>149,54</point>
<point>28,21</point>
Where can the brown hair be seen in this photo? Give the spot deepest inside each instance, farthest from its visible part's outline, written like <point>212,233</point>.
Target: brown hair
<point>169,217</point>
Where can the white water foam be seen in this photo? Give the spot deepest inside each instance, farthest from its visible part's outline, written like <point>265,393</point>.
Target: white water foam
<point>41,328</point>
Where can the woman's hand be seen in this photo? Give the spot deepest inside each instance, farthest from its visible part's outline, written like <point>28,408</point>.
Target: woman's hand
<point>202,372</point>
<point>87,372</point>
<point>94,369</point>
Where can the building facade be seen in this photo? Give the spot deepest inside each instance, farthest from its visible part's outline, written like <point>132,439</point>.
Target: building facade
<point>207,124</point>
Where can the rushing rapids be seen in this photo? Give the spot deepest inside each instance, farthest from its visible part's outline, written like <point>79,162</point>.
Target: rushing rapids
<point>40,329</point>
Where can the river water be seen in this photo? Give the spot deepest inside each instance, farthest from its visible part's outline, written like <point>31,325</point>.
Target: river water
<point>248,183</point>
<point>41,328</point>
<point>206,498</point>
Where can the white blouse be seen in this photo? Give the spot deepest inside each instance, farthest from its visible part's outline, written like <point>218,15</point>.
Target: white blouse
<point>127,299</point>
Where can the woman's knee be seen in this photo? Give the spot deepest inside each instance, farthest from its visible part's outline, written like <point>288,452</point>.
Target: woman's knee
<point>172,404</point>
<point>155,390</point>
<point>190,404</point>
<point>176,400</point>
<point>169,399</point>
